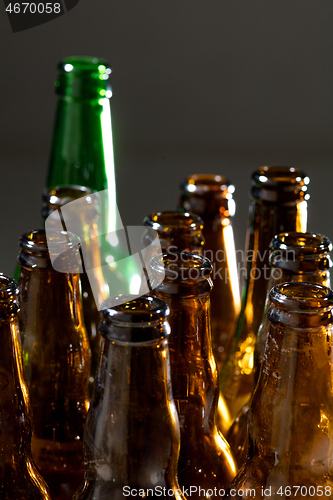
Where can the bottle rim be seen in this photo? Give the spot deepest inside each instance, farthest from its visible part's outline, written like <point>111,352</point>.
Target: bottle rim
<point>136,319</point>
<point>302,296</point>
<point>173,221</point>
<point>8,288</point>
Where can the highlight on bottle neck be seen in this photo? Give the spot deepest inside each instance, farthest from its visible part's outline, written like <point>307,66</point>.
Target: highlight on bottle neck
<point>185,274</point>
<point>58,196</point>
<point>59,250</point>
<point>9,290</point>
<point>297,252</point>
<point>176,229</point>
<point>301,305</point>
<point>279,184</point>
<point>208,195</point>
<point>83,77</point>
<point>136,320</point>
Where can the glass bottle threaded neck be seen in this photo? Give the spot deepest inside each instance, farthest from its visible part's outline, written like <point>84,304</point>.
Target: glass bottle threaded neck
<point>83,78</point>
<point>136,320</point>
<point>279,184</point>
<point>301,305</point>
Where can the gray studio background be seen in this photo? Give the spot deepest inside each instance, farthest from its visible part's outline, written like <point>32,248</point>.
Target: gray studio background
<point>216,86</point>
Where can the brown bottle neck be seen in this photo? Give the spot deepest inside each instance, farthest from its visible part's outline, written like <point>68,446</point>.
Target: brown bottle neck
<point>265,220</point>
<point>132,402</point>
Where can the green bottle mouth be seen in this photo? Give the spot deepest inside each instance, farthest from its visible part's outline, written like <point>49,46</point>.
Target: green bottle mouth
<point>83,77</point>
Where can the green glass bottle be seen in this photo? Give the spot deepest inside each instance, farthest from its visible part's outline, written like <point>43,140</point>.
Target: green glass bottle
<point>82,154</point>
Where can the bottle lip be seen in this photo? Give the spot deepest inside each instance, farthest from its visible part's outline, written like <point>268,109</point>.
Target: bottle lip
<point>59,250</point>
<point>8,288</point>
<point>84,63</point>
<point>279,184</point>
<point>300,252</point>
<point>40,242</point>
<point>303,297</point>
<point>84,78</point>
<point>136,319</point>
<point>174,222</point>
<point>58,196</point>
<point>208,183</point>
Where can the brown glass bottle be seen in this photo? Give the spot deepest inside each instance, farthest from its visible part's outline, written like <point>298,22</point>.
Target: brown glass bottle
<point>19,478</point>
<point>210,197</point>
<point>132,433</point>
<point>290,451</point>
<point>82,215</point>
<point>278,205</point>
<point>177,231</point>
<point>56,356</point>
<point>205,460</point>
<point>294,256</point>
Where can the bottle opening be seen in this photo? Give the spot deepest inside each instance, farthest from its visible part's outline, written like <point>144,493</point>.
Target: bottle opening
<point>279,184</point>
<point>201,183</point>
<point>173,222</point>
<point>8,288</point>
<point>182,267</point>
<point>302,296</point>
<point>137,320</point>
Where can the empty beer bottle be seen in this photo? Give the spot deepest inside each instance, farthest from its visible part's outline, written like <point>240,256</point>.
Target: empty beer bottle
<point>205,460</point>
<point>82,217</point>
<point>294,256</point>
<point>19,478</point>
<point>290,422</point>
<point>210,197</point>
<point>82,154</point>
<point>56,356</point>
<point>132,433</point>
<point>278,205</point>
<point>177,231</point>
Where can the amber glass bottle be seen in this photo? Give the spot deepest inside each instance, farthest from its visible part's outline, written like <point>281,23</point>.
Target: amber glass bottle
<point>294,257</point>
<point>210,197</point>
<point>19,478</point>
<point>205,460</point>
<point>278,205</point>
<point>82,217</point>
<point>56,356</point>
<point>177,231</point>
<point>290,451</point>
<point>132,433</point>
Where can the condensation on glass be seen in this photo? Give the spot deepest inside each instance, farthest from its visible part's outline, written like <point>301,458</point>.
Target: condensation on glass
<point>132,432</point>
<point>56,356</point>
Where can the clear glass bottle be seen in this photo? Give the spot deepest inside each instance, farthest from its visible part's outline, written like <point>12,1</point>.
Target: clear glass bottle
<point>278,205</point>
<point>132,433</point>
<point>290,451</point>
<point>205,459</point>
<point>294,256</point>
<point>211,197</point>
<point>56,356</point>
<point>19,477</point>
